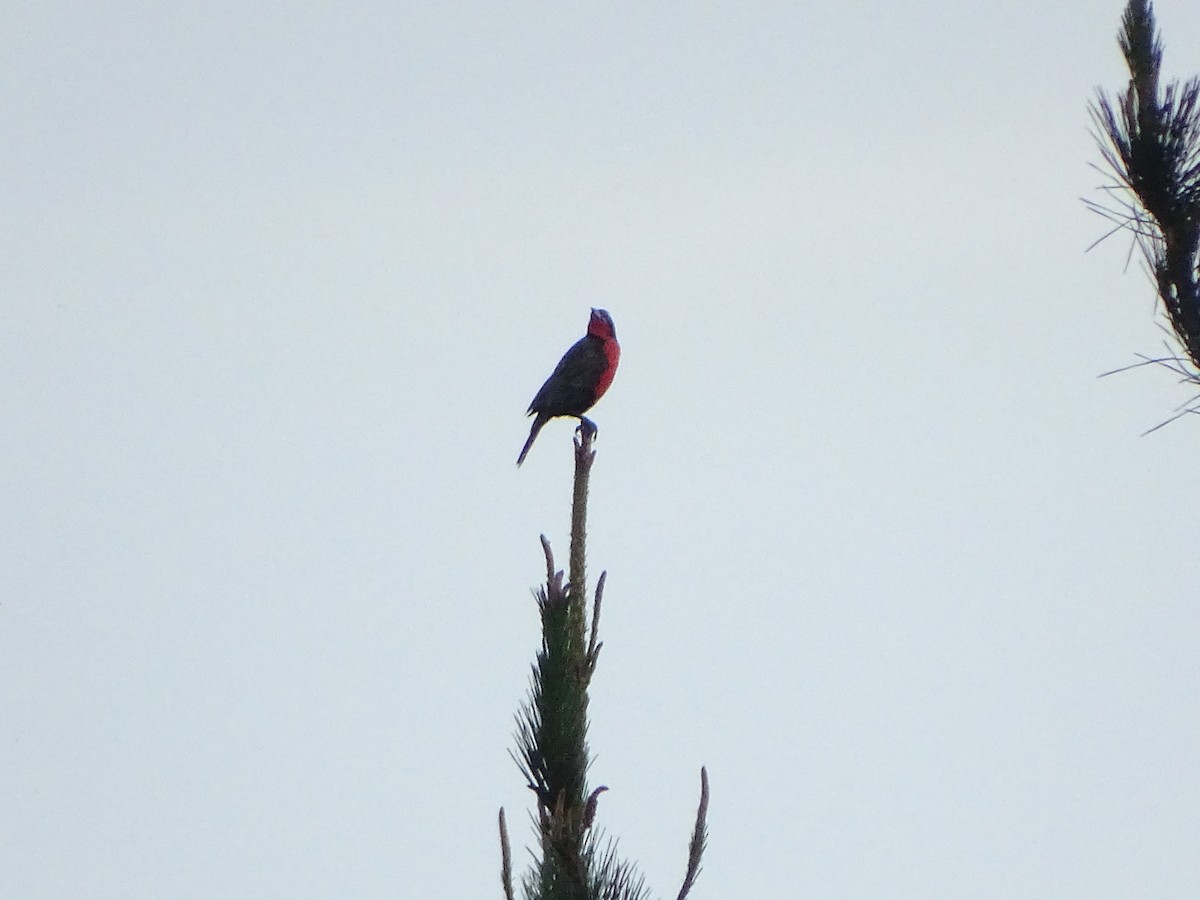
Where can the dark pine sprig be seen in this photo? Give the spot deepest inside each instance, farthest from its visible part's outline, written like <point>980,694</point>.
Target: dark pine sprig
<point>1150,143</point>
<point>576,862</point>
<point>699,839</point>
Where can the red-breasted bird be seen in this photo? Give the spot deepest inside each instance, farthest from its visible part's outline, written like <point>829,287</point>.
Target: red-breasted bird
<point>580,378</point>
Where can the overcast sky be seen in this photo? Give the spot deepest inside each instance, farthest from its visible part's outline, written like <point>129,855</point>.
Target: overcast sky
<point>278,283</point>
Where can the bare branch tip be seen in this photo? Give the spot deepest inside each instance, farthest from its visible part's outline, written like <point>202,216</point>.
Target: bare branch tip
<point>593,646</point>
<point>699,838</point>
<point>549,559</point>
<point>505,859</point>
<point>589,809</point>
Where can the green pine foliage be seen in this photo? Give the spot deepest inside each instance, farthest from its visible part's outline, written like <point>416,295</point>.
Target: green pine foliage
<point>576,861</point>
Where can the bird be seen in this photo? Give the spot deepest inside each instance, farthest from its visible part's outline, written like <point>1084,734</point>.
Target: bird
<point>580,378</point>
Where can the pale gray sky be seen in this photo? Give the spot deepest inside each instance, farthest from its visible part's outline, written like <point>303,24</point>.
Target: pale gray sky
<point>883,552</point>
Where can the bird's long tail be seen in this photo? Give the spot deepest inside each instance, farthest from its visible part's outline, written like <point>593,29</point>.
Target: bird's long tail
<point>533,433</point>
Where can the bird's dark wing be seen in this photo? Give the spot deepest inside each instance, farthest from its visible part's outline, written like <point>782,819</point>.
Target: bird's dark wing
<point>571,389</point>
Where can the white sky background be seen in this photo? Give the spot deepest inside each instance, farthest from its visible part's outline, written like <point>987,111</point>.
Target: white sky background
<point>883,552</point>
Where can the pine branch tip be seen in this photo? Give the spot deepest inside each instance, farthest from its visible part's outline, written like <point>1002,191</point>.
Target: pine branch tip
<point>505,859</point>
<point>589,808</point>
<point>699,840</point>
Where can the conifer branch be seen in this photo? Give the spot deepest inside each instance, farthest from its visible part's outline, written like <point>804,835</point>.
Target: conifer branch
<point>505,859</point>
<point>589,810</point>
<point>550,574</point>
<point>594,645</point>
<point>552,726</point>
<point>552,751</point>
<point>1149,139</point>
<point>699,838</point>
<point>585,434</point>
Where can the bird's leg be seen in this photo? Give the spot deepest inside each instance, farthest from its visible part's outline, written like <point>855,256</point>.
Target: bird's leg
<point>587,427</point>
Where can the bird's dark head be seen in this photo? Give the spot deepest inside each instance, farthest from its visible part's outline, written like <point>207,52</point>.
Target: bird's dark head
<point>601,324</point>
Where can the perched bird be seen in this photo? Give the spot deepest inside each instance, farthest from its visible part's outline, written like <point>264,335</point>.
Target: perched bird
<point>580,378</point>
